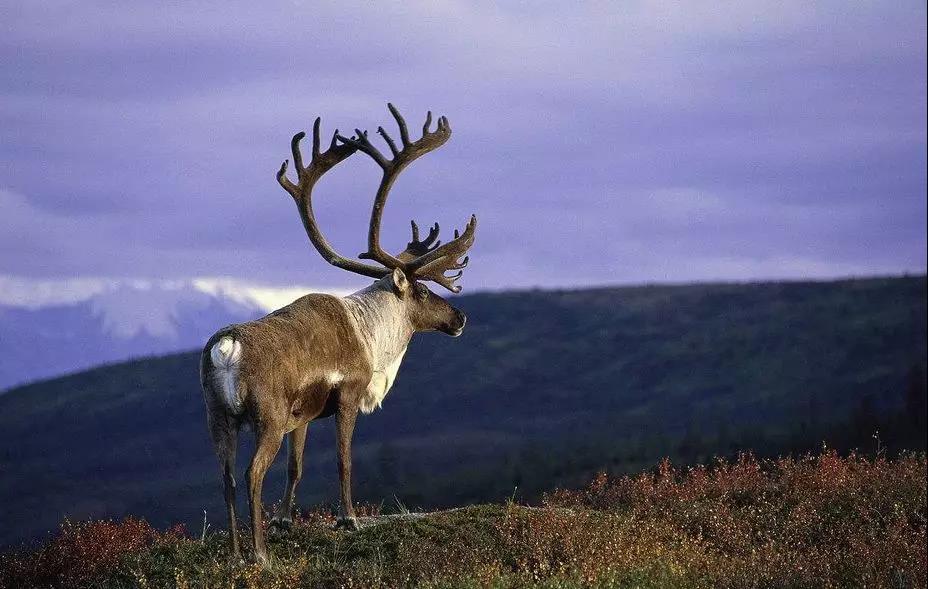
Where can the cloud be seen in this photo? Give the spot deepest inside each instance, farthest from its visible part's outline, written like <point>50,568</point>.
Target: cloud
<point>599,142</point>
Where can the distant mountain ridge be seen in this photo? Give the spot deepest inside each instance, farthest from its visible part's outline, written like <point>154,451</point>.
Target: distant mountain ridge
<point>120,322</point>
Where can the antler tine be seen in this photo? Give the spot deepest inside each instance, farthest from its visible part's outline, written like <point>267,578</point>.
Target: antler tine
<point>439,267</point>
<point>317,137</point>
<point>285,182</point>
<point>301,192</point>
<point>446,281</point>
<point>295,150</point>
<point>316,155</point>
<point>432,236</point>
<point>417,247</point>
<point>362,143</point>
<point>452,250</point>
<point>389,141</point>
<point>428,122</point>
<point>401,123</point>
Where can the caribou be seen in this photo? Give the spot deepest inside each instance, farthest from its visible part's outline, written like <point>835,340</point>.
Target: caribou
<point>324,355</point>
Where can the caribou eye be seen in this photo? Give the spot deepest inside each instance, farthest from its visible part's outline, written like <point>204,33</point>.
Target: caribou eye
<point>422,294</point>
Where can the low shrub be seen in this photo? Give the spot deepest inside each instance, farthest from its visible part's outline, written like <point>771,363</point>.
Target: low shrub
<point>815,521</point>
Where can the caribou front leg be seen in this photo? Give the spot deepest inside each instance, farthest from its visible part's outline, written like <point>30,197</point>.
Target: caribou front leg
<point>345,416</point>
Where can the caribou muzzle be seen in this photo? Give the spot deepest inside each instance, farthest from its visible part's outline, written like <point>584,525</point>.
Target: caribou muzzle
<point>456,326</point>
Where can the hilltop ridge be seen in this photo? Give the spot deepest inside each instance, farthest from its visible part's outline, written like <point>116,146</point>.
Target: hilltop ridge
<point>816,521</point>
<point>543,389</point>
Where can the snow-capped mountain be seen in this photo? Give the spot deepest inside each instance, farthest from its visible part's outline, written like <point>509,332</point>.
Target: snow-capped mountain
<point>52,328</point>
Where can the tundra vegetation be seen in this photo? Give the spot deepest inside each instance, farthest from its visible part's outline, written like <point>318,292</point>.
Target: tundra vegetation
<point>822,520</point>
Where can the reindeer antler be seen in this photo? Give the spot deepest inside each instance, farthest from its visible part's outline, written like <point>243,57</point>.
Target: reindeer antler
<point>421,259</point>
<point>302,193</point>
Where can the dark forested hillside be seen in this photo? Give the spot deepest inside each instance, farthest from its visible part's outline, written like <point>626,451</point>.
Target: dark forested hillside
<point>542,389</point>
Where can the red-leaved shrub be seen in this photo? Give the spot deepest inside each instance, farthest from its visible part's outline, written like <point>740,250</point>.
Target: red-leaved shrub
<point>79,552</point>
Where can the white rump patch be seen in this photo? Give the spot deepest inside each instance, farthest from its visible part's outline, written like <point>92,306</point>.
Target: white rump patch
<point>226,355</point>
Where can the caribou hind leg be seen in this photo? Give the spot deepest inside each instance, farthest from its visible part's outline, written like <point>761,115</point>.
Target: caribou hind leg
<point>267,443</point>
<point>224,433</point>
<point>296,442</point>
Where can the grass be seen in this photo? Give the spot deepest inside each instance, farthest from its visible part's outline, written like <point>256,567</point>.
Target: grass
<point>815,521</point>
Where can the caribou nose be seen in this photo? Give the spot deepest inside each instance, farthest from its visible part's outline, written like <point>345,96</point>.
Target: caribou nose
<point>461,320</point>
<point>457,327</point>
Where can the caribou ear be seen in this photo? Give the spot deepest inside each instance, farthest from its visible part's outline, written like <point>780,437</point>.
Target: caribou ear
<point>400,282</point>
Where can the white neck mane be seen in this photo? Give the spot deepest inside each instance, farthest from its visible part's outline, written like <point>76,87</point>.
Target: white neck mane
<point>384,330</point>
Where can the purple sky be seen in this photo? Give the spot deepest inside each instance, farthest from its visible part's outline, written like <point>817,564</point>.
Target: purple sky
<point>620,142</point>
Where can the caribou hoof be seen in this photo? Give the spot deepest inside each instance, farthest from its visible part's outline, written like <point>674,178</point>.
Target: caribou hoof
<point>261,559</point>
<point>280,525</point>
<point>348,523</point>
